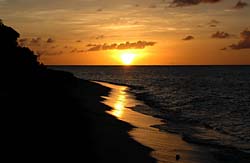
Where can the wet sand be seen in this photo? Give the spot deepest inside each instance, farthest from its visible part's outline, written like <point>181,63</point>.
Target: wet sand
<point>165,145</point>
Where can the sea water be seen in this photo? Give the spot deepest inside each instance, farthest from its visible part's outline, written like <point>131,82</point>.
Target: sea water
<point>205,104</point>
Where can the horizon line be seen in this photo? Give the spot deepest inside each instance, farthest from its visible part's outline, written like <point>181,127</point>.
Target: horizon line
<point>150,65</point>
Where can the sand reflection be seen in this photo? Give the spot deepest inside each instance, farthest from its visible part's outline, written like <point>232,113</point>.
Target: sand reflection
<point>119,100</point>
<point>119,104</point>
<point>165,145</point>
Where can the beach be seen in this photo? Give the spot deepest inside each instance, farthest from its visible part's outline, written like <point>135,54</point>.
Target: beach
<point>67,118</point>
<point>165,145</point>
<point>203,108</point>
<point>70,124</point>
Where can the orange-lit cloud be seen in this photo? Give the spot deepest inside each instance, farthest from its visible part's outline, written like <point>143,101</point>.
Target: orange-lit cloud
<point>244,43</point>
<point>50,40</point>
<point>187,38</point>
<point>221,35</point>
<point>23,41</point>
<point>213,23</point>
<point>182,3</point>
<point>36,40</point>
<point>48,53</point>
<point>121,46</point>
<point>99,10</point>
<point>240,5</point>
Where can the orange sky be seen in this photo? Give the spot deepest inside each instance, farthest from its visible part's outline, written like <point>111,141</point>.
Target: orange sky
<point>155,32</point>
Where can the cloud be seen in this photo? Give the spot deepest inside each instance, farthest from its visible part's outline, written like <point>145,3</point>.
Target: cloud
<point>187,38</point>
<point>213,23</point>
<point>99,10</point>
<point>95,48</point>
<point>48,53</point>
<point>221,35</point>
<point>50,40</point>
<point>183,3</point>
<point>244,43</point>
<point>73,50</point>
<point>78,40</point>
<point>23,41</point>
<point>121,46</point>
<point>240,5</point>
<point>89,45</point>
<point>36,40</point>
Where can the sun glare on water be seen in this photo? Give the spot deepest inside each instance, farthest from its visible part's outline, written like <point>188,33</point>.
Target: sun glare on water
<point>127,58</point>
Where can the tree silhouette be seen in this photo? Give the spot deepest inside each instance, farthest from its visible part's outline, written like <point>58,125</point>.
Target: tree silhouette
<point>14,58</point>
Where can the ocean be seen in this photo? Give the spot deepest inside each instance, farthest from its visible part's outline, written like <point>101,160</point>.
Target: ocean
<point>208,105</point>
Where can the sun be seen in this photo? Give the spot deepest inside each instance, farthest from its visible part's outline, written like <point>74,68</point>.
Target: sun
<point>127,58</point>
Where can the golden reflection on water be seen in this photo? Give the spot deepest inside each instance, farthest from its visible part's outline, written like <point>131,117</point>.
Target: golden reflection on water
<point>119,103</point>
<point>165,146</point>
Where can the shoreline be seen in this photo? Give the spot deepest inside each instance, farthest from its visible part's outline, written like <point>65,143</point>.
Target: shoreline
<point>165,145</point>
<point>64,119</point>
<point>224,154</point>
<point>109,140</point>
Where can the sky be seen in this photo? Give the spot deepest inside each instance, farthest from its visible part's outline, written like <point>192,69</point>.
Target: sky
<point>138,32</point>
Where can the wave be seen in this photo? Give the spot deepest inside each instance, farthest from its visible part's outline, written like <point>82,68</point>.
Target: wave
<point>204,107</point>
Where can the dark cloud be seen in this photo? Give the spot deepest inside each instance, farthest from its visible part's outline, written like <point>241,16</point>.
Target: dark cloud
<point>187,38</point>
<point>81,51</point>
<point>50,40</point>
<point>78,40</point>
<point>224,48</point>
<point>23,41</point>
<point>48,53</point>
<point>73,50</point>
<point>99,10</point>
<point>244,43</point>
<point>121,46</point>
<point>240,5</point>
<point>213,23</point>
<point>221,35</point>
<point>95,48</point>
<point>89,45</point>
<point>182,3</point>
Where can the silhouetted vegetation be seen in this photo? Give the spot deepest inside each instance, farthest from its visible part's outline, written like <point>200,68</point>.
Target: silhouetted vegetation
<point>51,116</point>
<point>40,115</point>
<point>15,59</point>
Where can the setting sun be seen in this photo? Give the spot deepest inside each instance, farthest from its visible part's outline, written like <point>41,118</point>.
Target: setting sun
<point>127,58</point>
